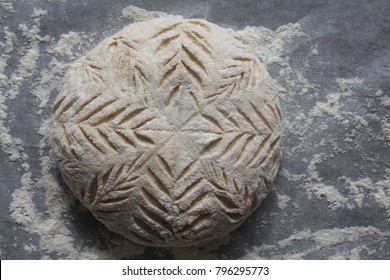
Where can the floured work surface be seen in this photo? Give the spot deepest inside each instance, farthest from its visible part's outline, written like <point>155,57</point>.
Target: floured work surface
<point>331,199</point>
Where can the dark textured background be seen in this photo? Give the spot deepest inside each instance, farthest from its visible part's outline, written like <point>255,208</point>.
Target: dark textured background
<point>353,40</point>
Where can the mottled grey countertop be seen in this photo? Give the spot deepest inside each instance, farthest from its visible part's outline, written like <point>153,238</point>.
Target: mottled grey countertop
<point>332,195</point>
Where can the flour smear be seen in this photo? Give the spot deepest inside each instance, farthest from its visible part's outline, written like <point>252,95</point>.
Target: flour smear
<point>47,211</point>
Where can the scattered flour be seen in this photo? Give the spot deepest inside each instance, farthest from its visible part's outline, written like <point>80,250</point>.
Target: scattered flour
<point>66,45</point>
<point>384,99</point>
<point>49,222</point>
<point>332,105</point>
<point>314,49</point>
<point>49,81</point>
<point>10,40</point>
<point>385,127</point>
<point>321,240</point>
<point>270,45</point>
<point>27,63</point>
<point>7,6</point>
<point>283,201</point>
<point>136,14</point>
<point>38,13</point>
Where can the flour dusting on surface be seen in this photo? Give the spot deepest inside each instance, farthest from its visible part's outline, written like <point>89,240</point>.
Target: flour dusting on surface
<point>136,14</point>
<point>321,240</point>
<point>7,6</point>
<point>327,164</point>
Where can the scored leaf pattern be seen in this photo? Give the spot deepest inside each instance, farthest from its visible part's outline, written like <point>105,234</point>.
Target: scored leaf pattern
<point>178,151</point>
<point>124,53</point>
<point>242,73</point>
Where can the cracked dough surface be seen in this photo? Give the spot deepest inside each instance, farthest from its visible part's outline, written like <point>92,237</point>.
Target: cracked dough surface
<point>168,132</point>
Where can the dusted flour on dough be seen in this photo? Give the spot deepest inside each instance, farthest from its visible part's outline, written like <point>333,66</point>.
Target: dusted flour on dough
<point>169,132</point>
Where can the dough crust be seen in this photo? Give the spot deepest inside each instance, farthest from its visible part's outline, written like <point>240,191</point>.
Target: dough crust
<point>169,132</point>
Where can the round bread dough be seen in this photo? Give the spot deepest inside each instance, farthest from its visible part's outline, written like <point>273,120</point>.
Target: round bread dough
<point>168,132</point>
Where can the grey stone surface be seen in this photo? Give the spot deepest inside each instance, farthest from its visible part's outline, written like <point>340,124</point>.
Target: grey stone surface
<point>353,40</point>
